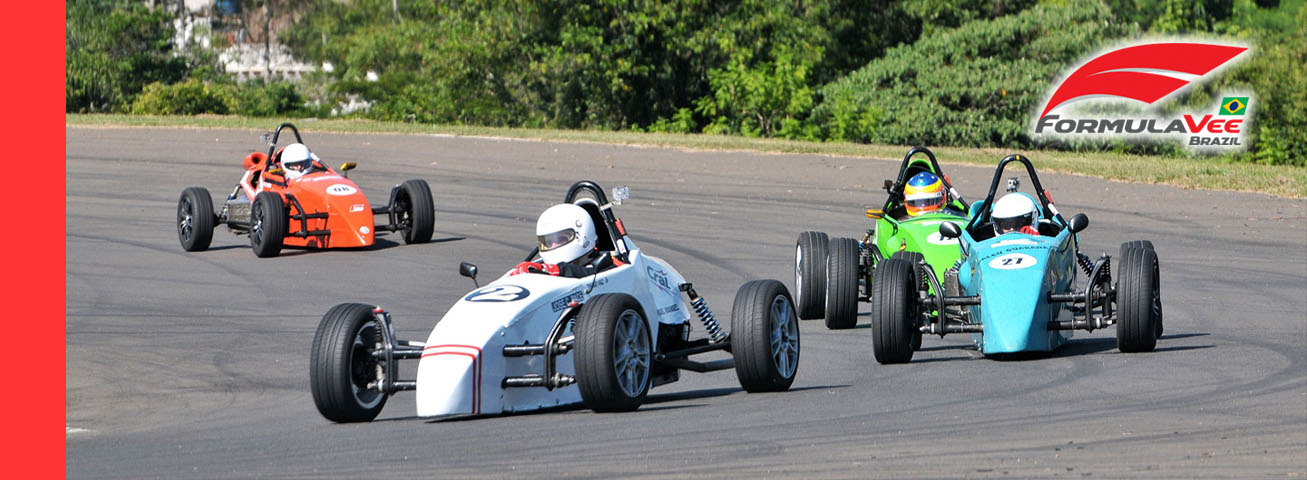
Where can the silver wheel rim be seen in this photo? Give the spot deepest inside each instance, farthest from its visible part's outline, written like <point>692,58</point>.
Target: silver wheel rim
<point>363,367</point>
<point>798,273</point>
<point>256,230</point>
<point>784,337</point>
<point>631,353</point>
<point>186,216</point>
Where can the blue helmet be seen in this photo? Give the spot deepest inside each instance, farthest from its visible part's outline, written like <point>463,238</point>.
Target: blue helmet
<point>923,194</point>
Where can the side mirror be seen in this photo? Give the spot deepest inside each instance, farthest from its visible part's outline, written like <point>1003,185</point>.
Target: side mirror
<point>621,193</point>
<point>347,166</point>
<point>950,230</point>
<point>1079,222</point>
<point>468,270</point>
<point>875,214</point>
<point>276,171</point>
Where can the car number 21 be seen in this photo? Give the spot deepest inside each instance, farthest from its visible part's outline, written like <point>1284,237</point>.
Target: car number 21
<point>1013,261</point>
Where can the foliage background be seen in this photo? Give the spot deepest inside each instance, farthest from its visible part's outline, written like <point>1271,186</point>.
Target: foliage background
<point>933,72</point>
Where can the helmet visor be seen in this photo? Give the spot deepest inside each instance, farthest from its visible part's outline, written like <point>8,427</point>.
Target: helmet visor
<point>300,165</point>
<point>929,203</point>
<point>1012,224</point>
<point>550,241</point>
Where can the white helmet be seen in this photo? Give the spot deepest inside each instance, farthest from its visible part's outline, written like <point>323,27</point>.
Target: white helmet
<point>296,160</point>
<point>566,233</point>
<point>1013,211</point>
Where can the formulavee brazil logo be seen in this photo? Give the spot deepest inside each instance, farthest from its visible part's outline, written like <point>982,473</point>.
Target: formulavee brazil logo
<point>1146,73</point>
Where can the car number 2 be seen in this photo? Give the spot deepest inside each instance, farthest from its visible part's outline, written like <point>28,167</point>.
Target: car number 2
<point>1013,261</point>
<point>498,293</point>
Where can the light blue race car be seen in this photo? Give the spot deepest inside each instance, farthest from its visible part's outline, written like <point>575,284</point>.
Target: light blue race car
<point>1017,292</point>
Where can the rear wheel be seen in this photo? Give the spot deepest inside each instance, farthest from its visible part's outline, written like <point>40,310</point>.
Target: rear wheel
<point>195,219</point>
<point>268,219</point>
<point>894,311</point>
<point>810,275</point>
<point>415,210</point>
<point>842,284</point>
<point>764,337</point>
<point>342,364</point>
<point>614,353</point>
<point>1139,303</point>
<point>917,260</point>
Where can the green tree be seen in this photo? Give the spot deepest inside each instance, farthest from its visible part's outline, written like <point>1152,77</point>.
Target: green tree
<point>113,49</point>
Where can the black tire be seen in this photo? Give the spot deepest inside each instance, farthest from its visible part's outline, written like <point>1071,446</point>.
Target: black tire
<point>341,364</point>
<point>916,259</point>
<point>1147,245</point>
<point>1138,301</point>
<point>268,219</point>
<point>195,219</point>
<point>894,311</point>
<point>810,275</point>
<point>416,210</point>
<point>842,284</point>
<point>764,337</point>
<point>614,353</point>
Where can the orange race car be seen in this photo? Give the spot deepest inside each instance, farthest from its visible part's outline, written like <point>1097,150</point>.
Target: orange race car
<point>289,197</point>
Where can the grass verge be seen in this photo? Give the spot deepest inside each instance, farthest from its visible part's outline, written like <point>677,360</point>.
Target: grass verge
<point>1192,173</point>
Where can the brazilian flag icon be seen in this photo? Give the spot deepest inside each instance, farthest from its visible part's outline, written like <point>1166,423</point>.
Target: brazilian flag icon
<point>1234,105</point>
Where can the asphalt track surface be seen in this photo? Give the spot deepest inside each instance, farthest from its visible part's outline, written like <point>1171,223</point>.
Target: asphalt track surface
<point>195,365</point>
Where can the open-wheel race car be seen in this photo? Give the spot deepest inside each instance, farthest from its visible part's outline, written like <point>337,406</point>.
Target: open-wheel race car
<point>1014,289</point>
<point>531,340</point>
<point>832,276</point>
<point>309,205</point>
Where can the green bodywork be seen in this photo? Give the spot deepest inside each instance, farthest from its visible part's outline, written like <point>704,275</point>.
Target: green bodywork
<point>919,234</point>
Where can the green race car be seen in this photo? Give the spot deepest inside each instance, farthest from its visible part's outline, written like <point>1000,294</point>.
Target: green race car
<point>831,276</point>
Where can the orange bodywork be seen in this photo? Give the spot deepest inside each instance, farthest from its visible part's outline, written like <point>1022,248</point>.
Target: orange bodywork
<point>349,218</point>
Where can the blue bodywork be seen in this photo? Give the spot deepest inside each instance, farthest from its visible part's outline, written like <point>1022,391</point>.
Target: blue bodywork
<point>1013,275</point>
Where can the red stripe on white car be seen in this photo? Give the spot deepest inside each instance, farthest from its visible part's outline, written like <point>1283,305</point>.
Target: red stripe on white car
<point>434,350</point>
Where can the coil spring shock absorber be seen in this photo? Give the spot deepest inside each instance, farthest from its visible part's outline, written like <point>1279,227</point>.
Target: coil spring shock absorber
<point>1085,264</point>
<point>705,315</point>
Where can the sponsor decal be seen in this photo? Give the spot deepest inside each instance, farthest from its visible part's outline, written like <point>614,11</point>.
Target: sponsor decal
<point>659,279</point>
<point>357,207</point>
<point>341,190</point>
<point>1146,73</point>
<point>668,309</point>
<point>1013,261</point>
<point>498,293</point>
<point>565,300</point>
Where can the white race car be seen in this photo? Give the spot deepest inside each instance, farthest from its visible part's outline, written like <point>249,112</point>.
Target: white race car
<point>532,341</point>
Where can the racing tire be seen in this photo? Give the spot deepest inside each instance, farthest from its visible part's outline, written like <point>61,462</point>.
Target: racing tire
<point>842,284</point>
<point>1139,303</point>
<point>195,219</point>
<point>916,259</point>
<point>614,353</point>
<point>268,219</point>
<point>341,364</point>
<point>416,209</point>
<point>810,275</point>
<point>894,311</point>
<point>764,337</point>
<point>1147,245</point>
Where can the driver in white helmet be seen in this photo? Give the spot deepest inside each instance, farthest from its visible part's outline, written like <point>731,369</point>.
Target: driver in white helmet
<point>1015,212</point>
<point>297,160</point>
<point>567,244</point>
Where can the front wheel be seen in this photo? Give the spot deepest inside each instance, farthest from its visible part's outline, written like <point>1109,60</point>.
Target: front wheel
<point>764,337</point>
<point>917,259</point>
<point>894,311</point>
<point>415,210</point>
<point>268,221</point>
<point>195,219</point>
<point>1138,300</point>
<point>342,364</point>
<point>810,274</point>
<point>614,353</point>
<point>842,284</point>
<point>1146,245</point>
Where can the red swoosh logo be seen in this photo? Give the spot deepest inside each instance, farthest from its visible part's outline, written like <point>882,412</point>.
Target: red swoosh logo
<point>1117,73</point>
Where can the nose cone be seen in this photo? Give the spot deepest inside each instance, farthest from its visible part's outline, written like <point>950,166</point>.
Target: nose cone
<point>349,219</point>
<point>1015,311</point>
